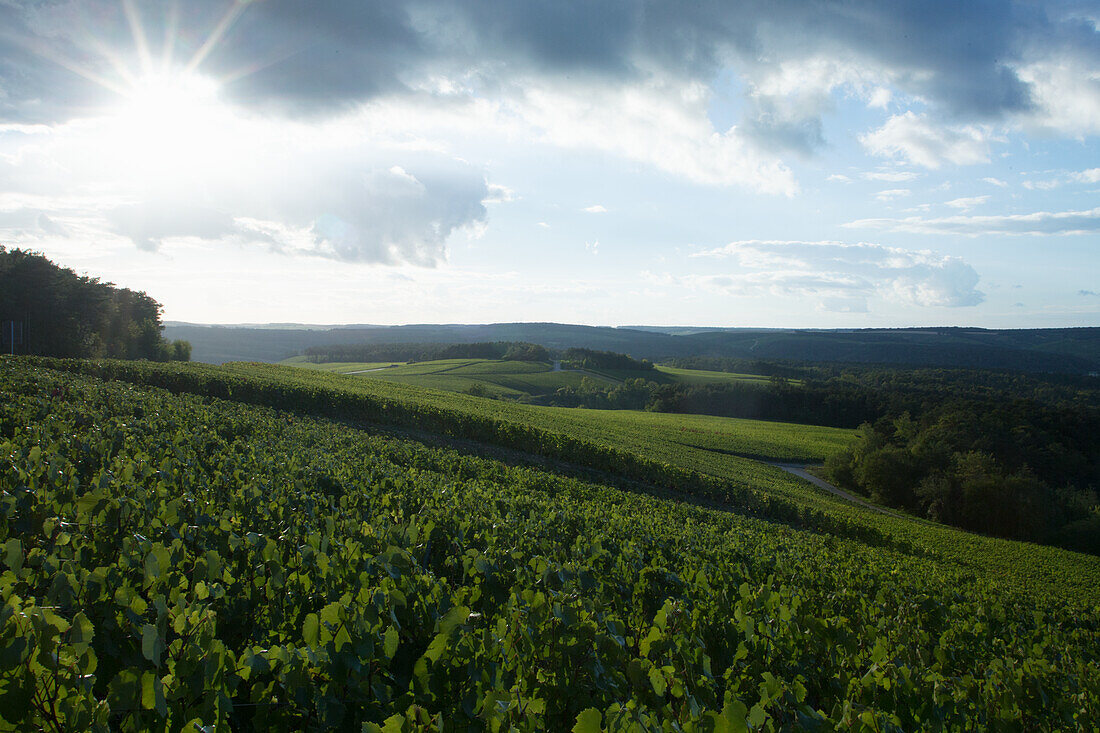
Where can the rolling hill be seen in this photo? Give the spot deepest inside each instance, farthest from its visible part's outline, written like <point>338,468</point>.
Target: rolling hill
<point>256,546</point>
<point>1062,350</point>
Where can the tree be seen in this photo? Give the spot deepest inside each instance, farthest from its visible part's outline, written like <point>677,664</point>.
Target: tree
<point>69,315</point>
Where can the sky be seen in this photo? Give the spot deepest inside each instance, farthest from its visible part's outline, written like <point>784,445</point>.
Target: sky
<point>867,163</point>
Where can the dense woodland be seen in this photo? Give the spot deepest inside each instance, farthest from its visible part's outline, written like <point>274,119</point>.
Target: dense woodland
<point>592,359</point>
<point>60,313</point>
<point>508,350</point>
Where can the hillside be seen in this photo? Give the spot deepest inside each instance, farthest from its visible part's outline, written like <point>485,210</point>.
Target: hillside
<point>515,379</point>
<point>1062,350</point>
<point>259,546</point>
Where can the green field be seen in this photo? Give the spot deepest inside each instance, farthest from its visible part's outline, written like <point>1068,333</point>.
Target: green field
<point>514,379</point>
<point>262,547</point>
<point>692,441</point>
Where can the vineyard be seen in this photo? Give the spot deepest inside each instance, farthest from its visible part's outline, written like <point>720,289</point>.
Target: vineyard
<point>513,379</point>
<point>186,547</point>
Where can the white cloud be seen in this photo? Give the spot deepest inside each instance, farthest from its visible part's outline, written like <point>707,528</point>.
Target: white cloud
<point>661,122</point>
<point>595,209</point>
<point>967,202</point>
<point>891,176</point>
<point>996,182</point>
<point>1038,223</point>
<point>845,274</point>
<point>914,138</point>
<point>330,192</point>
<point>880,98</point>
<point>1065,89</point>
<point>499,194</point>
<point>1092,175</point>
<point>840,177</point>
<point>892,193</point>
<point>593,247</point>
<point>543,224</point>
<point>1047,185</point>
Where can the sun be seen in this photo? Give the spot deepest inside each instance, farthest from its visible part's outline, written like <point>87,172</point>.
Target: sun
<point>166,123</point>
<point>165,98</point>
<point>165,114</point>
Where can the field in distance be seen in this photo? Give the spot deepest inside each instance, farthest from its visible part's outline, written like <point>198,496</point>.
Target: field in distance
<point>514,379</point>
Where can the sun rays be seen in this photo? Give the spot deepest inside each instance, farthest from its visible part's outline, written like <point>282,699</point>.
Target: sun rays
<point>147,72</point>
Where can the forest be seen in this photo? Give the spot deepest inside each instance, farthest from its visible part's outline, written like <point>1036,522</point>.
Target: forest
<point>52,311</point>
<point>508,350</point>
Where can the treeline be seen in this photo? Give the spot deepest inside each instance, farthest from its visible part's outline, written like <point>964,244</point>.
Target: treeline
<point>1016,469</point>
<point>508,350</point>
<point>764,367</point>
<point>592,359</point>
<point>630,394</point>
<point>51,311</point>
<point>778,399</point>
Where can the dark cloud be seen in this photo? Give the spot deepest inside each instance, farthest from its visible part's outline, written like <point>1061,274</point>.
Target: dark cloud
<point>314,56</point>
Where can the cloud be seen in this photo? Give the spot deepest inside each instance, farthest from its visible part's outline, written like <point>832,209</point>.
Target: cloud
<point>330,194</point>
<point>1002,60</point>
<point>914,138</point>
<point>595,209</point>
<point>1092,175</point>
<point>499,194</point>
<point>845,275</point>
<point>996,182</point>
<point>967,202</point>
<point>1088,293</point>
<point>891,176</point>
<point>892,193</point>
<point>839,177</point>
<point>1038,223</point>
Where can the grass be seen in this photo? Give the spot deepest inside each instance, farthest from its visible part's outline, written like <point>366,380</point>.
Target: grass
<point>513,379</point>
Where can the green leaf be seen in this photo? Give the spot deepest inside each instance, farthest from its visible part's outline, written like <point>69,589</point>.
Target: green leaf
<point>81,631</point>
<point>152,566</point>
<point>732,719</point>
<point>390,642</point>
<point>757,716</point>
<point>152,694</point>
<point>589,721</point>
<point>343,638</point>
<point>13,554</point>
<point>310,629</point>
<point>658,681</point>
<point>149,639</point>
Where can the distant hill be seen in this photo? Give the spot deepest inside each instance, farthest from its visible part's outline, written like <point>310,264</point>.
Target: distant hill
<point>1062,350</point>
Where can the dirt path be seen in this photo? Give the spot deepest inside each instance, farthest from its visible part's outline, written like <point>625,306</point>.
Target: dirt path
<point>364,371</point>
<point>802,473</point>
